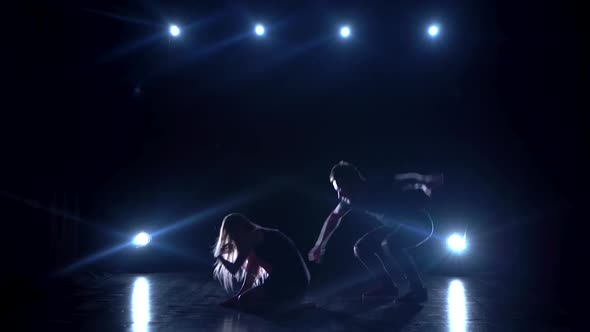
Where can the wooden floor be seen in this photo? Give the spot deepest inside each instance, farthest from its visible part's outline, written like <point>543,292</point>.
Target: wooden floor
<point>187,302</point>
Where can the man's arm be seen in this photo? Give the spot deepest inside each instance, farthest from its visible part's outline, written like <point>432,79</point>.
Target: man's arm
<point>329,227</point>
<point>428,179</point>
<point>416,181</point>
<point>418,186</point>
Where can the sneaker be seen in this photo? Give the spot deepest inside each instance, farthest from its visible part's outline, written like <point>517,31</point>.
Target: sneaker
<point>414,296</point>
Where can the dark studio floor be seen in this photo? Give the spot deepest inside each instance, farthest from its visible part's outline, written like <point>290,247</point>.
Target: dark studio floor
<point>187,302</point>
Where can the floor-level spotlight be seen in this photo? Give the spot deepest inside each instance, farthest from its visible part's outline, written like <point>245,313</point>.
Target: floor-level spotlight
<point>142,239</point>
<point>457,243</point>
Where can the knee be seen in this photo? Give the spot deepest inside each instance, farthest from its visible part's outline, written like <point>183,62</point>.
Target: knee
<point>390,247</point>
<point>385,246</point>
<point>361,249</point>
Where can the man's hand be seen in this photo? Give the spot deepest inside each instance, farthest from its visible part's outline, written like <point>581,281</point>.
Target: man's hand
<point>316,254</point>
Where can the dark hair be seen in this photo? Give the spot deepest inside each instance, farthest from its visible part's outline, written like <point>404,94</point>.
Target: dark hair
<point>347,173</point>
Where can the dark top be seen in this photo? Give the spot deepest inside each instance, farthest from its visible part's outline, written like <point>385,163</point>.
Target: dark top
<point>281,253</point>
<point>386,201</point>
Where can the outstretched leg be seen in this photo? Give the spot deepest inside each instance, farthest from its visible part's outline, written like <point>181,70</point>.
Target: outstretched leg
<point>407,264</point>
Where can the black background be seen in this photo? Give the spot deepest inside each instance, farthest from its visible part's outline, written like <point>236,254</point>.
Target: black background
<point>496,103</point>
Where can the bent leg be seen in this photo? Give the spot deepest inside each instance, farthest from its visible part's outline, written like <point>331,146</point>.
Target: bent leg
<point>407,264</point>
<point>396,247</point>
<point>368,250</point>
<point>397,243</point>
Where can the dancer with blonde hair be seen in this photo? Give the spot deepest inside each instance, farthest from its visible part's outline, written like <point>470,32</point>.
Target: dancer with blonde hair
<point>266,262</point>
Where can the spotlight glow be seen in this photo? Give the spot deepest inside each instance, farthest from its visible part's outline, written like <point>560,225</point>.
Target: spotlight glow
<point>345,32</point>
<point>457,243</point>
<point>259,30</point>
<point>433,30</point>
<point>142,239</point>
<point>174,30</point>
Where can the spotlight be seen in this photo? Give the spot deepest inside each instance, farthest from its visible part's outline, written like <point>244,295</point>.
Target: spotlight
<point>259,30</point>
<point>345,31</point>
<point>174,30</point>
<point>433,30</point>
<point>457,243</point>
<point>142,239</point>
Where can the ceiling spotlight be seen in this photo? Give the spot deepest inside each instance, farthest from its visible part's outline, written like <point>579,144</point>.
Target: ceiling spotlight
<point>433,30</point>
<point>345,31</point>
<point>174,30</point>
<point>259,30</point>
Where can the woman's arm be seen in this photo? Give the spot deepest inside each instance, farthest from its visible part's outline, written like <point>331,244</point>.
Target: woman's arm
<point>252,269</point>
<point>234,267</point>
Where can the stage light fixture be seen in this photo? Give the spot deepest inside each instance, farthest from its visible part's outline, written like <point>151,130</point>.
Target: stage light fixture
<point>457,243</point>
<point>142,239</point>
<point>259,30</point>
<point>345,32</point>
<point>433,30</point>
<point>174,30</point>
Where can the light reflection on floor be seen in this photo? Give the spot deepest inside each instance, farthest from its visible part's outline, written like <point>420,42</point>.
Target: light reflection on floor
<point>140,305</point>
<point>189,302</point>
<point>232,323</point>
<point>457,306</point>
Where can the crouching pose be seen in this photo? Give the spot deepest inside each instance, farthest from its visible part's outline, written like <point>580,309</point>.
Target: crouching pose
<point>397,209</point>
<point>267,263</point>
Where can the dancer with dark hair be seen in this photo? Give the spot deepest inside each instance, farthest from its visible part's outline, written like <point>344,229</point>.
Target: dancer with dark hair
<point>272,271</point>
<point>398,207</point>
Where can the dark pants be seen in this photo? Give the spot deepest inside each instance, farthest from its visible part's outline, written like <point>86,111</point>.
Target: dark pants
<point>379,247</point>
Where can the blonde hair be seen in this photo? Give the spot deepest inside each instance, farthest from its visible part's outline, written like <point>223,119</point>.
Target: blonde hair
<point>226,247</point>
